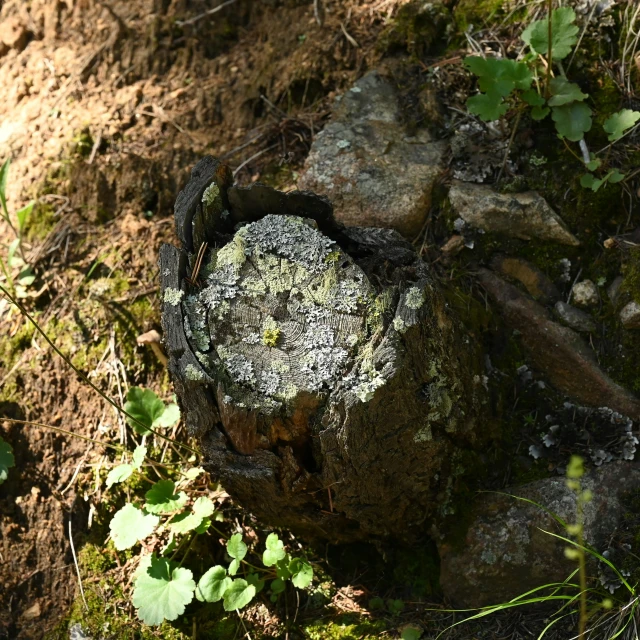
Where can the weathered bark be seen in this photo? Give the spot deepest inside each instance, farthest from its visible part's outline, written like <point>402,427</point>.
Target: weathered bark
<point>330,388</point>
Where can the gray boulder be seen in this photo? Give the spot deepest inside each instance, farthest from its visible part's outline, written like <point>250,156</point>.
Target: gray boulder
<point>506,551</point>
<point>519,215</point>
<point>363,160</point>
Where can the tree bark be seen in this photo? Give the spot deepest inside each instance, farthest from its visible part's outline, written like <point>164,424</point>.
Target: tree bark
<point>330,388</point>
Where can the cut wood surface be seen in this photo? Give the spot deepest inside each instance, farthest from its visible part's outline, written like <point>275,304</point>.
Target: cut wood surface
<point>330,388</point>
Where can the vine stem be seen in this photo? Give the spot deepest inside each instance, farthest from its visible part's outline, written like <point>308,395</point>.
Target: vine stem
<point>84,378</point>
<point>550,49</point>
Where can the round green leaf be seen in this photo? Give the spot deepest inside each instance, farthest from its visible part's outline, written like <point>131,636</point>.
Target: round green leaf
<point>616,124</point>
<point>487,106</point>
<point>564,92</point>
<point>6,459</point>
<point>277,586</point>
<point>238,595</point>
<point>145,406</point>
<point>572,120</point>
<point>274,551</point>
<point>213,585</point>
<point>302,573</point>
<point>184,522</point>
<point>162,592</point>
<point>236,548</point>
<point>119,474</point>
<point>203,507</point>
<point>161,498</point>
<point>168,417</point>
<point>130,525</point>
<point>564,34</point>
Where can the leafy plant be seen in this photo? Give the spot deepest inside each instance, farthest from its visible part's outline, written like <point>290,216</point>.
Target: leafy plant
<point>529,83</point>
<point>6,459</point>
<point>17,272</point>
<point>149,411</point>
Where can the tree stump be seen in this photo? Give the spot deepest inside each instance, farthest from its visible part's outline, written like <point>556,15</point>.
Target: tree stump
<point>328,385</point>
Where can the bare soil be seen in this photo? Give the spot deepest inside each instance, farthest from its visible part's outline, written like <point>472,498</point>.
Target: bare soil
<point>105,107</point>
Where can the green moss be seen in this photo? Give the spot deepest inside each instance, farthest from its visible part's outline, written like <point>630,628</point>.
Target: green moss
<point>270,337</point>
<point>11,347</point>
<point>418,570</point>
<point>82,143</point>
<point>475,12</point>
<point>348,627</point>
<point>419,28</point>
<point>630,287</point>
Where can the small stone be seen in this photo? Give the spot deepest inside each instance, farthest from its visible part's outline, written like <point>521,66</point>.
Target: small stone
<point>613,291</point>
<point>535,281</point>
<point>364,161</point>
<point>630,316</point>
<point>453,246</point>
<point>574,318</point>
<point>13,34</point>
<point>585,294</point>
<point>519,215</point>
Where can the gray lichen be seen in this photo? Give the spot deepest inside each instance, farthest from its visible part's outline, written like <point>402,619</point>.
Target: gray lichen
<point>414,298</point>
<point>173,296</point>
<point>193,373</point>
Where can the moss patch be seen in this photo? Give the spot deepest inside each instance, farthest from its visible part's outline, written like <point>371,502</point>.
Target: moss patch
<point>346,628</point>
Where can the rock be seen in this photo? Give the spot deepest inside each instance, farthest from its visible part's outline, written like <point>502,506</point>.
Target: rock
<point>13,34</point>
<point>505,553</point>
<point>453,246</point>
<point>585,294</point>
<point>613,291</point>
<point>535,281</point>
<point>574,318</point>
<point>558,351</point>
<point>520,215</point>
<point>630,316</point>
<point>363,160</point>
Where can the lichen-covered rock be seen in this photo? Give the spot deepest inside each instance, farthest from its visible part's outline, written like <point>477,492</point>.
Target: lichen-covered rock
<point>574,318</point>
<point>364,161</point>
<point>630,315</point>
<point>330,388</point>
<point>519,215</point>
<point>506,551</point>
<point>557,351</point>
<point>585,294</point>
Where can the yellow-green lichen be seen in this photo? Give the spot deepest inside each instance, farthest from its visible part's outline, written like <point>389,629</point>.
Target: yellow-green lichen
<point>270,337</point>
<point>173,296</point>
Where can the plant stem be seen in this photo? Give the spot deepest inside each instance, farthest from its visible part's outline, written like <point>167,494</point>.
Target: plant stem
<point>549,51</point>
<point>583,569</point>
<point>84,378</point>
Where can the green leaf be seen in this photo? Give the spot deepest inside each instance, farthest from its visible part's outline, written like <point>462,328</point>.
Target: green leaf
<point>572,120</point>
<point>277,586</point>
<point>282,568</point>
<point>26,277</point>
<point>23,214</point>
<point>4,173</point>
<point>395,606</point>
<point>587,180</point>
<point>162,498</point>
<point>533,98</point>
<point>540,113</point>
<point>619,122</point>
<point>615,176</point>
<point>487,106</point>
<point>130,525</point>
<point>203,527</point>
<point>169,416</point>
<point>213,584</point>
<point>203,507</point>
<point>593,164</point>
<point>138,456</point>
<point>119,474</point>
<point>162,592</point>
<point>376,604</point>
<point>236,548</point>
<point>6,460</point>
<point>564,92</point>
<point>254,579</point>
<point>193,473</point>
<point>302,573</point>
<point>274,551</point>
<point>234,565</point>
<point>499,75</point>
<point>148,409</point>
<point>411,632</point>
<point>238,595</point>
<point>184,522</point>
<point>564,34</point>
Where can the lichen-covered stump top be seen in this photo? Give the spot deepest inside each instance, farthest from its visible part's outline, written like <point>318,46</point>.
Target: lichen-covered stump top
<point>329,387</point>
